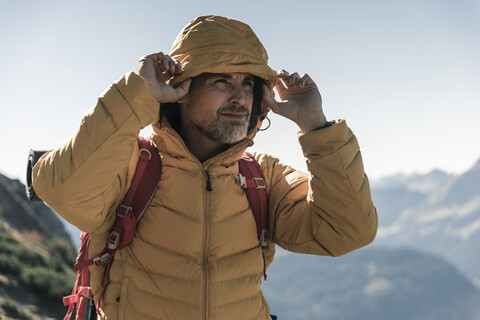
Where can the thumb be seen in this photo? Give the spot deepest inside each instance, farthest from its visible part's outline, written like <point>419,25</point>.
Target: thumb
<point>269,99</point>
<point>182,89</point>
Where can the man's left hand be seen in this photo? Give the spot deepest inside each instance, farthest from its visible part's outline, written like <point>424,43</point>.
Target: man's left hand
<point>300,102</point>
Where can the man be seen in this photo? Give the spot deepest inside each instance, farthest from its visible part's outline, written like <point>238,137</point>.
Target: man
<point>195,254</point>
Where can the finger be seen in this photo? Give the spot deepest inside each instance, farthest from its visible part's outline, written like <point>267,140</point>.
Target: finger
<point>178,67</point>
<point>280,85</point>
<point>283,74</point>
<point>160,61</point>
<point>282,80</point>
<point>305,77</point>
<point>166,65</point>
<point>293,79</point>
<point>268,98</point>
<point>152,56</point>
<point>157,58</point>
<point>182,89</point>
<point>171,64</point>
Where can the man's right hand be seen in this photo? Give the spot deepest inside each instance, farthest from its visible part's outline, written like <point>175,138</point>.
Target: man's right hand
<point>156,69</point>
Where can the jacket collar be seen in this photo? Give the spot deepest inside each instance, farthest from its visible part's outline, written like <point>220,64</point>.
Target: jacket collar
<point>168,141</point>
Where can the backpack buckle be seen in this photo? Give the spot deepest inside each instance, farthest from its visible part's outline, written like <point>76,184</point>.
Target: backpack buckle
<point>258,185</point>
<point>113,240</point>
<point>241,180</point>
<point>264,235</point>
<point>147,151</point>
<point>86,292</point>
<point>101,260</point>
<point>123,210</point>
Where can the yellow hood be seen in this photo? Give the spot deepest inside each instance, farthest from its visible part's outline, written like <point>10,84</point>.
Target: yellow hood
<point>214,44</point>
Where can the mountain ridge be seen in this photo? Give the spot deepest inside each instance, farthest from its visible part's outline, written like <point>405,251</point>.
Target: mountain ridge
<point>445,219</point>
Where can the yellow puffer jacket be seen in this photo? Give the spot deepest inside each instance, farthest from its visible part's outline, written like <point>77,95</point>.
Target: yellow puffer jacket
<point>195,254</point>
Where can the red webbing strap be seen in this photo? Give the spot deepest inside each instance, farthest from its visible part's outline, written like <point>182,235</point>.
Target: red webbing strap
<point>136,200</point>
<point>75,298</point>
<point>256,190</point>
<point>78,295</point>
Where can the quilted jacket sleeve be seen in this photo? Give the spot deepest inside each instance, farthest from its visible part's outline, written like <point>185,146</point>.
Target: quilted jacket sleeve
<point>328,211</point>
<point>86,175</point>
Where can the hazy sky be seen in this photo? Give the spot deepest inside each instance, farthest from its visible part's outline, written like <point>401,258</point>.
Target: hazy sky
<point>404,74</point>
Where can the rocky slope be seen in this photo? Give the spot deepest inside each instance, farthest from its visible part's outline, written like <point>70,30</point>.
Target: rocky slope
<point>36,255</point>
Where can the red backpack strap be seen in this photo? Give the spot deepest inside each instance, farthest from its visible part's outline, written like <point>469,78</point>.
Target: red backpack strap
<point>251,179</point>
<point>129,212</point>
<point>81,290</point>
<point>135,202</point>
<point>138,197</point>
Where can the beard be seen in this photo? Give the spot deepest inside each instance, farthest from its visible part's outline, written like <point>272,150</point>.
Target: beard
<point>225,132</point>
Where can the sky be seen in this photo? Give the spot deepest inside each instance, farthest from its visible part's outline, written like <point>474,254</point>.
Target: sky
<point>404,74</point>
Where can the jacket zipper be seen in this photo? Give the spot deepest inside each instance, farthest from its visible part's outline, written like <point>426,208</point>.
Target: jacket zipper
<point>209,185</point>
<point>206,235</point>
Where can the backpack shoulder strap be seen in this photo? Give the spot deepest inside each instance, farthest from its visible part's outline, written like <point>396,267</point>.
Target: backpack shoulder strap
<point>147,175</point>
<point>129,212</point>
<point>250,177</point>
<point>135,202</point>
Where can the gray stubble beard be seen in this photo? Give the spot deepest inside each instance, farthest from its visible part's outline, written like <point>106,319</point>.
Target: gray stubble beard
<point>226,132</point>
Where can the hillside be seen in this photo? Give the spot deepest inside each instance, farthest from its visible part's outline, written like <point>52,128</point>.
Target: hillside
<point>371,283</point>
<point>443,217</point>
<point>36,255</point>
<point>422,266</point>
<point>22,214</point>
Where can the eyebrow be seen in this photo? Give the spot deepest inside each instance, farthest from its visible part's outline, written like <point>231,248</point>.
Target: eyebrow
<point>228,76</point>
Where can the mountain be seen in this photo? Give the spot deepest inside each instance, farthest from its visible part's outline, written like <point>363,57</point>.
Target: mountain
<point>414,182</point>
<point>442,217</point>
<point>36,257</point>
<point>423,264</point>
<point>370,283</point>
<point>22,214</point>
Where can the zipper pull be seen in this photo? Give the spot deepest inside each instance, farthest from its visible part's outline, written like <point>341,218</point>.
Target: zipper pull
<point>209,185</point>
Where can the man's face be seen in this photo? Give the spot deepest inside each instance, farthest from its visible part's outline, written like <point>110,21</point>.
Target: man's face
<point>219,105</point>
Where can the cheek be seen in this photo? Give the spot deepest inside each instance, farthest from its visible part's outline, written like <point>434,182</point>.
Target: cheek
<point>249,103</point>
<point>204,109</point>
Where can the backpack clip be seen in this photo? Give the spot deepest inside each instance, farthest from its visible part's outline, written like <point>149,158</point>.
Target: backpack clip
<point>241,180</point>
<point>264,235</point>
<point>101,260</point>
<point>113,240</point>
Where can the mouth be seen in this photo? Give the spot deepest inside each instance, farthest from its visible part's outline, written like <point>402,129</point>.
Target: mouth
<point>238,116</point>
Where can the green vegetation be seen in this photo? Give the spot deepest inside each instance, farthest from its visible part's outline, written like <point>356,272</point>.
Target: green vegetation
<point>62,254</point>
<point>13,310</point>
<point>10,264</point>
<point>47,274</point>
<point>47,282</point>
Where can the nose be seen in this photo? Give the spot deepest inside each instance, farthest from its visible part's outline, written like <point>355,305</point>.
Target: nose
<point>238,96</point>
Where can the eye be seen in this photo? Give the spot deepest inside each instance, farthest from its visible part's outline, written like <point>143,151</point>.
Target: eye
<point>249,83</point>
<point>221,82</point>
